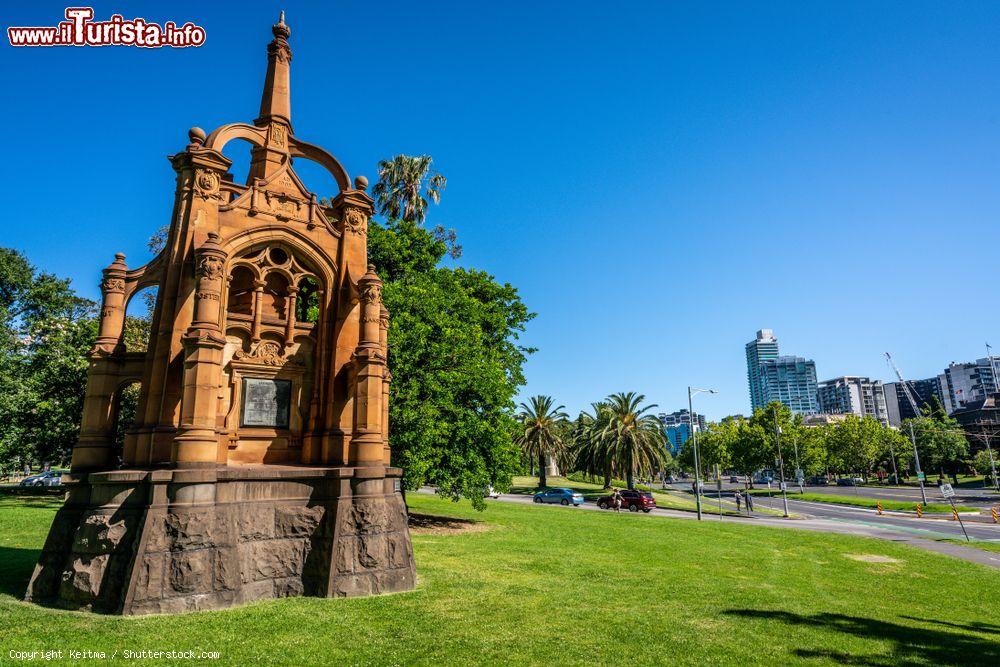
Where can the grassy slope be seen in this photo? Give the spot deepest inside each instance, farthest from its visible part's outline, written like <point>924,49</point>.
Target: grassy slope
<point>861,501</point>
<point>563,586</point>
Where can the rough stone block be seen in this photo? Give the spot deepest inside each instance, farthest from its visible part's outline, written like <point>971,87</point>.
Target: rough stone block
<point>81,581</point>
<point>400,552</point>
<point>372,552</point>
<point>191,571</point>
<point>285,588</point>
<point>353,585</point>
<point>256,521</point>
<point>271,559</point>
<point>227,569</point>
<point>151,574</point>
<point>97,534</point>
<point>190,529</point>
<point>297,521</point>
<point>369,515</point>
<point>346,548</point>
<point>156,527</point>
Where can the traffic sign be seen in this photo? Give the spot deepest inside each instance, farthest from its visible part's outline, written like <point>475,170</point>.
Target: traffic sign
<point>800,474</point>
<point>947,491</point>
<point>921,476</point>
<point>783,487</point>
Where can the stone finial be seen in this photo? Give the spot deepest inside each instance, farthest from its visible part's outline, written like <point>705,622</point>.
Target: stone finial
<point>281,29</point>
<point>361,182</point>
<point>197,137</point>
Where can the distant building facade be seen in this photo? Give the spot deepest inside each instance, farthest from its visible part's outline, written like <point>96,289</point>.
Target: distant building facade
<point>898,408</point>
<point>965,383</point>
<point>851,394</point>
<point>792,381</point>
<point>763,348</point>
<point>677,427</point>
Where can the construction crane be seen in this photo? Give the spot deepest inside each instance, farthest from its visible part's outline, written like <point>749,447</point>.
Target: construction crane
<point>908,391</point>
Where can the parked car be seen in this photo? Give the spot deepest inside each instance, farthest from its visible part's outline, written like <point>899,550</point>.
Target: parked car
<point>559,495</point>
<point>850,481</point>
<point>633,501</point>
<point>491,492</point>
<point>50,478</point>
<point>734,479</point>
<point>817,480</point>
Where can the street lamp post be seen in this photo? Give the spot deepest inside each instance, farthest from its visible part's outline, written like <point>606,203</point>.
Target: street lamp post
<point>694,435</point>
<point>916,466</point>
<point>781,462</point>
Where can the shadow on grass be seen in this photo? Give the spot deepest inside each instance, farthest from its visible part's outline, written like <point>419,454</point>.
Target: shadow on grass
<point>16,566</point>
<point>912,644</point>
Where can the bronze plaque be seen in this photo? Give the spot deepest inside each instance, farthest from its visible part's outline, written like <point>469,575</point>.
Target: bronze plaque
<point>266,402</point>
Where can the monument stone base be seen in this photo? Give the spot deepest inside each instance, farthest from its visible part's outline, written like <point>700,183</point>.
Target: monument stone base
<point>171,540</point>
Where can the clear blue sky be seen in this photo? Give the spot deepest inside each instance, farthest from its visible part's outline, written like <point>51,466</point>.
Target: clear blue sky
<point>658,179</point>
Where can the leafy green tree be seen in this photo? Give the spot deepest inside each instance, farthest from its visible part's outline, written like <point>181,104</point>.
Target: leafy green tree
<point>941,443</point>
<point>634,440</point>
<point>453,352</point>
<point>715,445</point>
<point>45,333</point>
<point>857,444</point>
<point>540,434</point>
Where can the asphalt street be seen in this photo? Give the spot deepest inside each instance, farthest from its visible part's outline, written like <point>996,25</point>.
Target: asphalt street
<point>821,517</point>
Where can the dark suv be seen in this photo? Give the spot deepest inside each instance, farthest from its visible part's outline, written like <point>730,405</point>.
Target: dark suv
<point>633,501</point>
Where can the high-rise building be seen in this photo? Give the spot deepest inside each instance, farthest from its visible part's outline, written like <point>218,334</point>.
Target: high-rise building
<point>898,406</point>
<point>763,348</point>
<point>677,427</point>
<point>792,381</point>
<point>851,394</point>
<point>681,417</point>
<point>967,382</point>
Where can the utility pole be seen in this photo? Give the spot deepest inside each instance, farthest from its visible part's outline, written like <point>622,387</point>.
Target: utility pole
<point>781,462</point>
<point>916,415</point>
<point>697,463</point>
<point>916,465</point>
<point>993,466</point>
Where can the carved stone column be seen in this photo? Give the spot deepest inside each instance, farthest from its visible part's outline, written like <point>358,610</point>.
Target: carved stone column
<point>386,379</point>
<point>112,306</point>
<point>366,439</point>
<point>196,443</point>
<point>290,315</point>
<point>94,448</point>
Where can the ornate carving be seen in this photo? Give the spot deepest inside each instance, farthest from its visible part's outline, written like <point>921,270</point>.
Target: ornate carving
<point>278,135</point>
<point>210,267</point>
<point>211,296</point>
<point>372,294</point>
<point>266,352</point>
<point>281,204</point>
<point>206,184</point>
<point>114,284</point>
<point>355,221</point>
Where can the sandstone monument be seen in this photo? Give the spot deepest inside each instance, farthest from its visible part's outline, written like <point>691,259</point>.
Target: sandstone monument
<point>258,464</point>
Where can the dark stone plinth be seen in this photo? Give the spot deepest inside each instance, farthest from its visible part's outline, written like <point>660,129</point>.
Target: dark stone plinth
<point>165,541</point>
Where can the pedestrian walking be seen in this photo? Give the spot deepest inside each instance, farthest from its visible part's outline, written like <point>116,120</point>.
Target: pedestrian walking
<point>739,500</point>
<point>749,504</point>
<point>616,499</point>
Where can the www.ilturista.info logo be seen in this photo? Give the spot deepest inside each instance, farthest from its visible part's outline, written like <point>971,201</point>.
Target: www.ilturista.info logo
<point>81,30</point>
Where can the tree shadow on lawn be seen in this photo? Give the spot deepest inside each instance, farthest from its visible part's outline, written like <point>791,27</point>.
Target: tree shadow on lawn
<point>912,645</point>
<point>16,566</point>
<point>424,524</point>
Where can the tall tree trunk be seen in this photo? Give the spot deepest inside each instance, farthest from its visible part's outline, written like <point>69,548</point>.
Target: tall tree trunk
<point>607,477</point>
<point>631,481</point>
<point>541,471</point>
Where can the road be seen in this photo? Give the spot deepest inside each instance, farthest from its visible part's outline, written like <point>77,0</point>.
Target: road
<point>981,497</point>
<point>822,517</point>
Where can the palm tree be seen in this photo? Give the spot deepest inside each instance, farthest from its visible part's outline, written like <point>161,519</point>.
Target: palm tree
<point>591,455</point>
<point>633,440</point>
<point>542,431</point>
<point>402,183</point>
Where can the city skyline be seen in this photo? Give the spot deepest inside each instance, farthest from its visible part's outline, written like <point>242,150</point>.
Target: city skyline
<point>774,146</point>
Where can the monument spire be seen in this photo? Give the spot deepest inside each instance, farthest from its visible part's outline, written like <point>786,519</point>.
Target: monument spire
<point>275,104</point>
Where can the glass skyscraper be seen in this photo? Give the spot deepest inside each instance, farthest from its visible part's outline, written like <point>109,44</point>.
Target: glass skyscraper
<point>790,380</point>
<point>759,350</point>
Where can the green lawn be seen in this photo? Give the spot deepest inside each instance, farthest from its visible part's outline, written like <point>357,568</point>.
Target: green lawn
<point>861,501</point>
<point>553,585</point>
